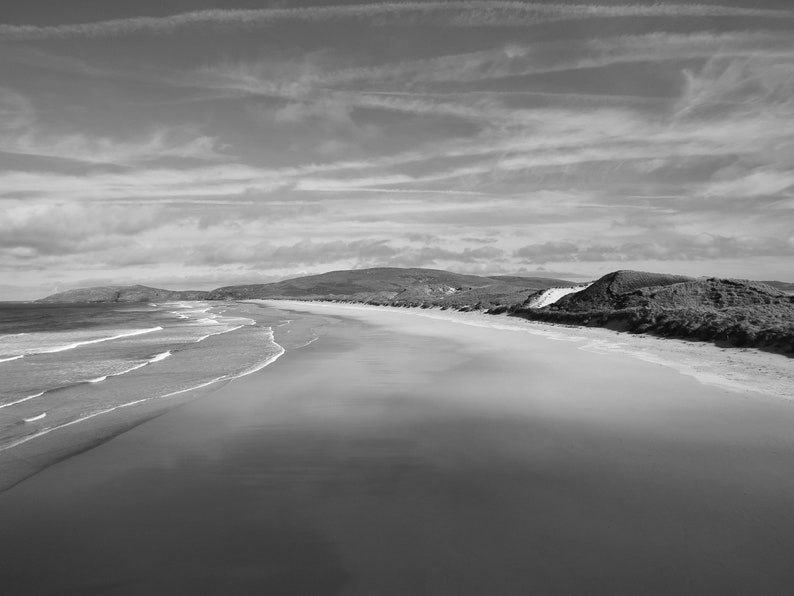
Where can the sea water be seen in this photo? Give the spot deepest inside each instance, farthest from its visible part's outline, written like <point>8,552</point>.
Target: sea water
<point>62,365</point>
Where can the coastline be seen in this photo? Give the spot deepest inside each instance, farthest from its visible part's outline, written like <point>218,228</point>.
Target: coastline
<point>399,454</point>
<point>56,441</point>
<point>747,370</point>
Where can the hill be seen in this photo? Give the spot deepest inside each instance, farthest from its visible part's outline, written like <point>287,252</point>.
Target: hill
<point>136,293</point>
<point>397,287</point>
<point>385,285</point>
<point>728,312</point>
<point>607,292</point>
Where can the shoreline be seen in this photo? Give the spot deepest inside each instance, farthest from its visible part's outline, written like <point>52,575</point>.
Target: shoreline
<point>746,371</point>
<point>408,455</point>
<point>738,369</point>
<point>30,454</point>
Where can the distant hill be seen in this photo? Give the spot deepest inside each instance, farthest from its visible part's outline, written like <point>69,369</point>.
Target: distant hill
<point>724,311</point>
<point>122,294</point>
<point>398,287</point>
<point>384,285</point>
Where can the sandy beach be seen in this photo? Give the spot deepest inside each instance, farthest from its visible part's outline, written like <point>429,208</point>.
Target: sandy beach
<point>427,453</point>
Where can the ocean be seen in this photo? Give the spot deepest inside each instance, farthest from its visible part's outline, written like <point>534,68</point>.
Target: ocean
<point>63,365</point>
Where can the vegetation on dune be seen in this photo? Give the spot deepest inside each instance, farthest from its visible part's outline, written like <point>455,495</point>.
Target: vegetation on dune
<point>724,311</point>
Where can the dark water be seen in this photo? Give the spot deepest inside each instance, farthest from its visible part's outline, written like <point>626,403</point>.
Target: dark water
<point>26,317</point>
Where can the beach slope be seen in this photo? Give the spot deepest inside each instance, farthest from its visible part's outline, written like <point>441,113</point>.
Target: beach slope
<point>400,454</point>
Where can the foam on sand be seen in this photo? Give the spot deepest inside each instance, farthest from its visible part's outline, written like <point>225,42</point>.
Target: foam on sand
<point>77,344</point>
<point>24,399</point>
<point>157,358</point>
<point>17,357</point>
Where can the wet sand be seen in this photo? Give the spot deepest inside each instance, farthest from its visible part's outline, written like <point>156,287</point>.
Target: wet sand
<point>401,455</point>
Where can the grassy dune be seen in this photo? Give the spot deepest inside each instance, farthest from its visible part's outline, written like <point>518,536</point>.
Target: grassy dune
<point>724,311</point>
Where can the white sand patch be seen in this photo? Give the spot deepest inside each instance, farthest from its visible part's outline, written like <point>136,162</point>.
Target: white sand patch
<point>551,295</point>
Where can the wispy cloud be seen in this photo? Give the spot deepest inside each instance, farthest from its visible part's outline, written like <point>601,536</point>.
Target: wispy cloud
<point>636,141</point>
<point>412,87</point>
<point>157,145</point>
<point>674,247</point>
<point>25,134</point>
<point>461,14</point>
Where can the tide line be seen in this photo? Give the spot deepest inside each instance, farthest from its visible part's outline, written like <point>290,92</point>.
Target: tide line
<point>77,344</point>
<point>12,358</point>
<point>19,401</point>
<point>47,431</point>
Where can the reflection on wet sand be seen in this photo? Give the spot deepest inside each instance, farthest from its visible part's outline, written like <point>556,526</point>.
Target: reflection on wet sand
<point>400,457</point>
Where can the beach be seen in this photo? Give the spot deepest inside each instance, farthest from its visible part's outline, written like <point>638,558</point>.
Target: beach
<point>391,451</point>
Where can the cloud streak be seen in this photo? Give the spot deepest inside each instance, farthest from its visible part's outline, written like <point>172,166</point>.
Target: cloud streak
<point>458,14</point>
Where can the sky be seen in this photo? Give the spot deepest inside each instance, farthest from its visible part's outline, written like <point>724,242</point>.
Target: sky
<point>200,143</point>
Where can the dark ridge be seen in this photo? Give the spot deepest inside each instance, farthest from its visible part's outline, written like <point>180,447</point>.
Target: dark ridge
<point>397,287</point>
<point>728,312</point>
<point>135,293</point>
<point>604,292</point>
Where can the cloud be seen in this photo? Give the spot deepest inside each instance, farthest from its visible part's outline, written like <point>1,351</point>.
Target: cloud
<point>157,145</point>
<point>456,14</point>
<point>474,152</point>
<point>315,91</point>
<point>16,111</point>
<point>24,134</point>
<point>488,254</point>
<point>29,230</point>
<point>674,247</point>
<point>513,60</point>
<point>761,182</point>
<point>231,180</point>
<point>299,254</point>
<point>364,252</point>
<point>743,85</point>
